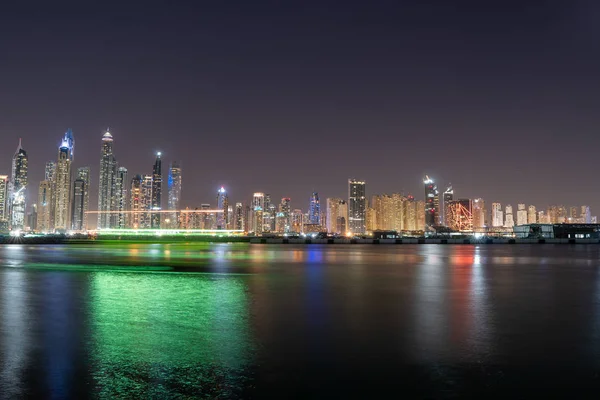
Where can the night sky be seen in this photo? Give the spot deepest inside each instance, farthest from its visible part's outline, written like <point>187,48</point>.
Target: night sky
<point>500,98</point>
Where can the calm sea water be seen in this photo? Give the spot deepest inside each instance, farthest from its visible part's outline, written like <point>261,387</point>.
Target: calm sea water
<point>256,321</point>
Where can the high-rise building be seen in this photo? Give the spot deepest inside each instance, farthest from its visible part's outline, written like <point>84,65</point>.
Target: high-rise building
<point>478,211</point>
<point>62,186</point>
<point>239,217</point>
<point>448,197</point>
<point>106,189</point>
<point>384,212</point>
<point>50,171</point>
<point>297,221</point>
<point>174,188</point>
<point>284,215</point>
<point>146,202</point>
<point>420,215</point>
<point>432,203</point>
<point>136,203</point>
<point>156,192</point>
<point>459,215</point>
<point>18,193</point>
<point>77,205</point>
<point>222,205</point>
<point>357,206</point>
<point>121,183</point>
<point>586,215</point>
<point>521,214</point>
<point>45,206</point>
<point>531,215</point>
<point>258,204</point>
<point>543,218</point>
<point>332,214</point>
<point>497,215</point>
<point>83,174</point>
<point>398,210</point>
<point>4,183</point>
<point>32,217</point>
<point>410,213</point>
<point>314,209</point>
<point>370,217</point>
<point>509,221</point>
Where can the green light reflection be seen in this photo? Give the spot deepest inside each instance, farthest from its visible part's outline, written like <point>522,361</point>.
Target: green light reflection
<point>174,335</point>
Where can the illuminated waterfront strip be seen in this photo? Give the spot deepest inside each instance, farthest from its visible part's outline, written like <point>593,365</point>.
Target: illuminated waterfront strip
<point>155,211</point>
<point>161,232</point>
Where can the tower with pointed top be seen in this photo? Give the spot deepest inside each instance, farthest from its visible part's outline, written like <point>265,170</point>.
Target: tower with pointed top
<point>18,195</point>
<point>62,190</point>
<point>106,190</point>
<point>156,192</point>
<point>222,205</point>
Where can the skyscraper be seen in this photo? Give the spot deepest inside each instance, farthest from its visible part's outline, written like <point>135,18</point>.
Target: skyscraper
<point>297,221</point>
<point>333,205</point>
<point>146,202</point>
<point>106,188</point>
<point>62,187</point>
<point>586,215</point>
<point>420,215</point>
<point>531,215</point>
<point>497,215</point>
<point>521,214</point>
<point>50,171</point>
<point>478,207</point>
<point>83,174</point>
<point>156,191</point>
<point>314,209</point>
<point>45,206</point>
<point>174,188</point>
<point>398,206</point>
<point>509,221</point>
<point>4,183</point>
<point>384,211</point>
<point>258,203</point>
<point>357,206</point>
<point>448,197</point>
<point>239,216</point>
<point>432,203</point>
<point>410,214</point>
<point>18,195</point>
<point>78,205</point>
<point>121,198</point>
<point>223,206</point>
<point>285,214</point>
<point>136,203</point>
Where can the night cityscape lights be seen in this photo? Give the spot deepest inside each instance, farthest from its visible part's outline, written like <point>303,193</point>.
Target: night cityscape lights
<point>133,205</point>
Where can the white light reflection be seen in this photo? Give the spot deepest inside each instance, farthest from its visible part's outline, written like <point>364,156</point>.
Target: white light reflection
<point>481,326</point>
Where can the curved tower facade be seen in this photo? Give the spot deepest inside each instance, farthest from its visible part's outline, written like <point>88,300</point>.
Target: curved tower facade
<point>106,188</point>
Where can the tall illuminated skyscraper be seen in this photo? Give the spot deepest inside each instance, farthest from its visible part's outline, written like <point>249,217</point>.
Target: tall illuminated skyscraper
<point>285,215</point>
<point>4,183</point>
<point>448,197</point>
<point>106,189</point>
<point>258,204</point>
<point>18,195</point>
<point>531,215</point>
<point>121,198</point>
<point>222,205</point>
<point>146,203</point>
<point>314,209</point>
<point>174,188</point>
<point>77,205</point>
<point>357,206</point>
<point>45,205</point>
<point>410,213</point>
<point>478,214</point>
<point>83,174</point>
<point>497,215</point>
<point>432,203</point>
<point>156,191</point>
<point>239,217</point>
<point>62,187</point>
<point>521,214</point>
<point>135,203</point>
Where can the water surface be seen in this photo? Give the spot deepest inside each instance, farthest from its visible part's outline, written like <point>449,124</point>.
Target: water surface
<point>251,321</point>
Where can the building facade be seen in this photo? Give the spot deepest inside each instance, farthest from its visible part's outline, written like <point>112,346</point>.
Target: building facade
<point>174,188</point>
<point>156,192</point>
<point>106,188</point>
<point>18,190</point>
<point>62,186</point>
<point>357,206</point>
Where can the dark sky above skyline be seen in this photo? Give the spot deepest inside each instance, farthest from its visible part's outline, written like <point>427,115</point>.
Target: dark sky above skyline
<point>500,98</point>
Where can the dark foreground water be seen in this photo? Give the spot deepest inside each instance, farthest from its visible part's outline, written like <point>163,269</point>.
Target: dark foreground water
<point>256,321</point>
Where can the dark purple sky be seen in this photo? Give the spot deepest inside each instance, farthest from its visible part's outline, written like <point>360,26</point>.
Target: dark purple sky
<point>500,97</point>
